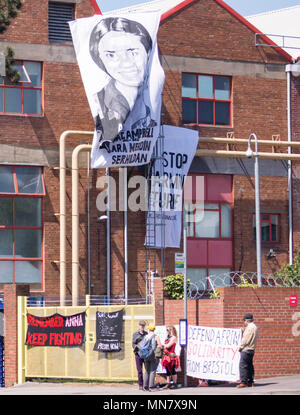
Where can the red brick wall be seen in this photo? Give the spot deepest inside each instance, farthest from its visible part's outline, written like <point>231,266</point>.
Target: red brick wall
<point>197,31</point>
<point>278,348</point>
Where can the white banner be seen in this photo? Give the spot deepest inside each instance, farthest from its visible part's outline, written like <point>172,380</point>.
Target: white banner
<point>213,353</point>
<point>123,79</point>
<point>168,178</point>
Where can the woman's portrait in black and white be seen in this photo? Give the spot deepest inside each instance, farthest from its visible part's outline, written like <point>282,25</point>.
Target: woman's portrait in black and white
<point>121,48</point>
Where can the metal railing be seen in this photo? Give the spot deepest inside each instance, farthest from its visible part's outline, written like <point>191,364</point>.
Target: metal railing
<point>207,287</point>
<point>93,300</point>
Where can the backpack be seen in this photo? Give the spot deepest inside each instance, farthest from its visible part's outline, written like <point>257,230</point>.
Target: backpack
<point>147,347</point>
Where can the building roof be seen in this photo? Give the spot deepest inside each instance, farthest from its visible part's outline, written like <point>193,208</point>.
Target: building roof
<point>169,7</point>
<point>284,24</point>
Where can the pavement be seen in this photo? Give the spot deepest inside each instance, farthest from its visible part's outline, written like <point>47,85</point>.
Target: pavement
<point>284,385</point>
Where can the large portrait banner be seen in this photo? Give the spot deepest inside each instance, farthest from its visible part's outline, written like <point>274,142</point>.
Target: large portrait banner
<point>213,353</point>
<point>56,330</point>
<point>119,64</point>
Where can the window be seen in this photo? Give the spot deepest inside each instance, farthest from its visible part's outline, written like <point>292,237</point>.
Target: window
<point>59,16</point>
<point>24,96</point>
<point>206,99</point>
<point>21,227</point>
<point>211,221</point>
<point>269,227</point>
<point>218,277</point>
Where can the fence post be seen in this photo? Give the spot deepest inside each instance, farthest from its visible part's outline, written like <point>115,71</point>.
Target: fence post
<point>22,301</point>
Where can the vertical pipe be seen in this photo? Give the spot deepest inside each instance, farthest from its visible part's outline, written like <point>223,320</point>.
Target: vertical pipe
<point>108,286</point>
<point>290,168</point>
<point>75,221</point>
<point>257,214</point>
<point>185,297</point>
<point>62,217</point>
<point>125,234</point>
<point>88,224</point>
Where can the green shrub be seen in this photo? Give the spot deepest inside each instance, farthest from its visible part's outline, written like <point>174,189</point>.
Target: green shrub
<point>174,286</point>
<point>290,274</point>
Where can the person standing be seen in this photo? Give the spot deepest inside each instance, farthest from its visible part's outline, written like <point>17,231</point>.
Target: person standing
<point>170,360</point>
<point>152,362</point>
<point>136,339</point>
<point>247,350</point>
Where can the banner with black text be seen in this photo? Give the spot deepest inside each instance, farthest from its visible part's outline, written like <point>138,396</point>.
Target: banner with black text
<point>109,329</point>
<point>119,64</point>
<point>163,228</point>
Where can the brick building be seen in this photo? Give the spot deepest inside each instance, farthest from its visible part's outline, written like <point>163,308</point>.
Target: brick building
<point>218,81</point>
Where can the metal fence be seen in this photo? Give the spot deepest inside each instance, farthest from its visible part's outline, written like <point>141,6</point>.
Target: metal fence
<point>207,287</point>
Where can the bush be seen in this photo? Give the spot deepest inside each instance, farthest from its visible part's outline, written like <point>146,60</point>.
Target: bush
<point>290,274</point>
<point>174,286</point>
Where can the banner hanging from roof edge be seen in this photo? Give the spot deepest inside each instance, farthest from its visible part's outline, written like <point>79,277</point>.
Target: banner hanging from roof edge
<point>123,79</point>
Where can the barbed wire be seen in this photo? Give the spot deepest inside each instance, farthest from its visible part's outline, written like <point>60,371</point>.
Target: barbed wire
<point>207,287</point>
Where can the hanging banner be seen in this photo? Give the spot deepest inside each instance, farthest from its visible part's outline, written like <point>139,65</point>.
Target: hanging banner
<point>109,329</point>
<point>163,228</point>
<point>56,330</point>
<point>123,79</point>
<point>213,353</point>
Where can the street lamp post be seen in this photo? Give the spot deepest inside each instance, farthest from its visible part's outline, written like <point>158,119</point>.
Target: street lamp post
<point>249,153</point>
<point>185,297</point>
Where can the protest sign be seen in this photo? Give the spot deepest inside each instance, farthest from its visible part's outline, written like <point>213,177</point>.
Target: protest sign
<point>119,64</point>
<point>167,183</point>
<point>213,353</point>
<point>56,330</point>
<point>109,328</point>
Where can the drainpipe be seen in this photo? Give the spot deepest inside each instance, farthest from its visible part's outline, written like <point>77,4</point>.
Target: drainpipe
<point>125,235</point>
<point>108,276</point>
<point>75,221</point>
<point>295,70</point>
<point>62,193</point>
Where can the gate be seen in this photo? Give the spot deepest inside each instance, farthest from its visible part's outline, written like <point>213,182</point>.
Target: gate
<point>81,362</point>
<point>1,344</point>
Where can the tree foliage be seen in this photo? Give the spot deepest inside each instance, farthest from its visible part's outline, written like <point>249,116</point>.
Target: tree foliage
<point>290,274</point>
<point>8,11</point>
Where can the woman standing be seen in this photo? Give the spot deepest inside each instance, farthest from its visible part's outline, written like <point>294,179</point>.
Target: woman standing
<point>170,360</point>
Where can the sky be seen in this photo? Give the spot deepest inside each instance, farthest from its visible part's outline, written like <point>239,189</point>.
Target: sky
<point>243,7</point>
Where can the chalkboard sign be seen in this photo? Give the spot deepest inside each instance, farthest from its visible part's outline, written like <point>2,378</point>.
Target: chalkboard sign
<point>109,328</point>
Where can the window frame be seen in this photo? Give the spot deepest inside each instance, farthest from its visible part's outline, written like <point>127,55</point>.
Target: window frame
<point>219,210</point>
<point>22,85</point>
<point>17,195</point>
<point>213,100</point>
<point>269,221</point>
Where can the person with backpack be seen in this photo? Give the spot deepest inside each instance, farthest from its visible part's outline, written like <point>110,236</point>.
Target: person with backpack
<point>136,340</point>
<point>147,352</point>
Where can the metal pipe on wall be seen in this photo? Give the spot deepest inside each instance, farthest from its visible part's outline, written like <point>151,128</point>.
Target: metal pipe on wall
<point>75,221</point>
<point>108,276</point>
<point>125,234</point>
<point>290,182</point>
<point>62,201</point>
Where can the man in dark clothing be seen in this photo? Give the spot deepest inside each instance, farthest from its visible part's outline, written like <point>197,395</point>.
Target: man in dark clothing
<point>136,339</point>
